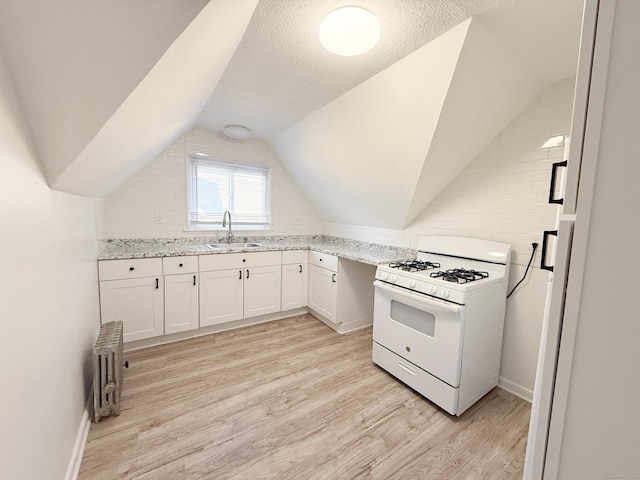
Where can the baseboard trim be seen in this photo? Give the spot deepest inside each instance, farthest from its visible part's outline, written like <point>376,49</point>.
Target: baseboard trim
<point>515,389</point>
<point>81,442</point>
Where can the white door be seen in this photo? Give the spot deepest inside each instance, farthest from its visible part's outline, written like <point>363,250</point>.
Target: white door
<point>294,286</point>
<point>137,302</point>
<point>323,292</point>
<point>180,302</point>
<point>220,296</point>
<point>262,290</point>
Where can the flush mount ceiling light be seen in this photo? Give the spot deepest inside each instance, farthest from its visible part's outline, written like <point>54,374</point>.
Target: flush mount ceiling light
<point>349,31</point>
<point>236,131</point>
<point>554,141</point>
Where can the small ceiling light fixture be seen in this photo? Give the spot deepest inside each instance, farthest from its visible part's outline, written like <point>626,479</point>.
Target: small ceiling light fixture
<point>349,31</point>
<point>554,141</point>
<point>236,131</point>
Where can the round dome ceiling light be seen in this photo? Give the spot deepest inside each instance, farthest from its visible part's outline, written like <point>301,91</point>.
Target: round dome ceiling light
<point>236,131</point>
<point>349,31</point>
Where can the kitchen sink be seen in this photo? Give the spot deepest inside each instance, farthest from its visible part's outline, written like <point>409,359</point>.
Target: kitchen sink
<point>232,246</point>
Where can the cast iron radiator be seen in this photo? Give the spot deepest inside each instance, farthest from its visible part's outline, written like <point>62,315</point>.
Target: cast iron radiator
<point>107,368</point>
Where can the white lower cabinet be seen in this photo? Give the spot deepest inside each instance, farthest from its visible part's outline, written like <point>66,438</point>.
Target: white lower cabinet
<point>340,291</point>
<point>156,296</point>
<point>262,290</point>
<point>180,294</point>
<point>323,291</point>
<point>129,295</point>
<point>221,296</point>
<point>294,279</point>
<point>239,285</point>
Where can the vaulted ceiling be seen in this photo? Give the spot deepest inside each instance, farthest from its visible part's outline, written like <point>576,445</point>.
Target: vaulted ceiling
<point>106,85</point>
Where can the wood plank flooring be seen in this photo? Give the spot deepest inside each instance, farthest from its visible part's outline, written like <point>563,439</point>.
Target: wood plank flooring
<point>292,399</point>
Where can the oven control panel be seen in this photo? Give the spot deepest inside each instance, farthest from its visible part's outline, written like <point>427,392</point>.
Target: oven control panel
<point>420,285</point>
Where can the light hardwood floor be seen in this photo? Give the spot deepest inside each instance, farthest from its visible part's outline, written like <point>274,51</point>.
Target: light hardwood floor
<point>292,399</point>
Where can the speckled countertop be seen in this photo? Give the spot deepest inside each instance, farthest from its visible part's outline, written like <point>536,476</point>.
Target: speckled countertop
<point>370,253</point>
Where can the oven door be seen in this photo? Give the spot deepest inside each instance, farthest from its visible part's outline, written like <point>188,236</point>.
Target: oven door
<point>423,330</point>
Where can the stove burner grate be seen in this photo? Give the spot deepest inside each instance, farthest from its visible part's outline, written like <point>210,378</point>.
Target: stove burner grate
<point>414,265</point>
<point>460,275</point>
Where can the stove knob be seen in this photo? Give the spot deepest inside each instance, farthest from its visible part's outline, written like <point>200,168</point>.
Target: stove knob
<point>433,289</point>
<point>445,293</point>
<point>393,278</point>
<point>412,284</point>
<point>384,276</point>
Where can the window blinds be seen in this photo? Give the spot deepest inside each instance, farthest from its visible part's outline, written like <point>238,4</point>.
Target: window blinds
<point>215,187</point>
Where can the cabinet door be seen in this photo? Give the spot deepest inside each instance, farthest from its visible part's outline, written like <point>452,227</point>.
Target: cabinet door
<point>262,290</point>
<point>323,291</point>
<point>138,302</point>
<point>180,302</point>
<point>294,286</point>
<point>220,296</point>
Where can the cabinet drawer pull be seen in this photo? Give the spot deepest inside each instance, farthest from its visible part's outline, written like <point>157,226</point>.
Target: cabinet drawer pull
<point>239,274</point>
<point>333,278</point>
<point>247,274</point>
<point>194,279</point>
<point>157,283</point>
<point>545,236</point>
<point>300,268</point>
<point>131,269</point>
<point>552,185</point>
<point>180,265</point>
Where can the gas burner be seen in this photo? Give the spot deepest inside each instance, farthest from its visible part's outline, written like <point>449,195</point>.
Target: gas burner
<point>460,275</point>
<point>414,265</point>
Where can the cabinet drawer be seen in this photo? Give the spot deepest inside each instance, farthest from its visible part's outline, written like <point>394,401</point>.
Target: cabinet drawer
<point>293,256</point>
<point>323,260</point>
<point>176,265</point>
<point>225,261</point>
<point>129,268</point>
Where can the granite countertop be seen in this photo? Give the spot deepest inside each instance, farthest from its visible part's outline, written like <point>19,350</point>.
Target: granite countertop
<point>364,252</point>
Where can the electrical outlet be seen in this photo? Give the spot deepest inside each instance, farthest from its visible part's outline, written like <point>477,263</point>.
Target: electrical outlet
<point>536,238</point>
<point>158,217</point>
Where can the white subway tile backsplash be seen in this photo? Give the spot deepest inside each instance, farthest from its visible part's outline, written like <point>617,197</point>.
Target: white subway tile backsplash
<point>160,186</point>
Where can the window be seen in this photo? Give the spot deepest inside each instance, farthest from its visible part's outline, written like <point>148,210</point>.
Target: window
<point>214,187</point>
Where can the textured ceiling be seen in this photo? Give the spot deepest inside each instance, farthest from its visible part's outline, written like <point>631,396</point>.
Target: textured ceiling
<point>280,73</point>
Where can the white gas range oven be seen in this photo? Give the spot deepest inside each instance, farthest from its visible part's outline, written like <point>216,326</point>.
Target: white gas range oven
<point>438,320</point>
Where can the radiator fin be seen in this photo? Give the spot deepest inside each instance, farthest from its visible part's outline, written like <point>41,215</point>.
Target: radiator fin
<point>108,365</point>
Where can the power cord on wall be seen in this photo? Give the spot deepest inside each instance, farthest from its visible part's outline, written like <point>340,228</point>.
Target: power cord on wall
<point>533,252</point>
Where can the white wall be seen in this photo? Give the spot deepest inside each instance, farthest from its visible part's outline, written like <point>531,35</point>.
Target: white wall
<point>502,196</point>
<point>48,308</point>
<point>160,188</point>
<point>387,147</point>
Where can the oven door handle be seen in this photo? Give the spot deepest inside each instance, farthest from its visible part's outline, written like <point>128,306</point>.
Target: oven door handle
<point>418,297</point>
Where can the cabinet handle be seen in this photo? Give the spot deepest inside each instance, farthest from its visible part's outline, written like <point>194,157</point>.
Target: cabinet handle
<point>333,278</point>
<point>300,268</point>
<point>131,269</point>
<point>545,236</point>
<point>194,279</point>
<point>180,265</point>
<point>157,283</point>
<point>552,186</point>
<point>320,259</point>
<point>247,274</point>
<point>239,274</point>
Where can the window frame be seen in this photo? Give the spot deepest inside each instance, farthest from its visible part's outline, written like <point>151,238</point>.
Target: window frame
<point>217,226</point>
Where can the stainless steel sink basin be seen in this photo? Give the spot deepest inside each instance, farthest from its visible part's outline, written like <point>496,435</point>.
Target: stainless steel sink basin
<point>232,246</point>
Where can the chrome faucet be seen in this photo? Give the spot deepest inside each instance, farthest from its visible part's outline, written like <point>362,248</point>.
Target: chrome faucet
<point>224,224</point>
